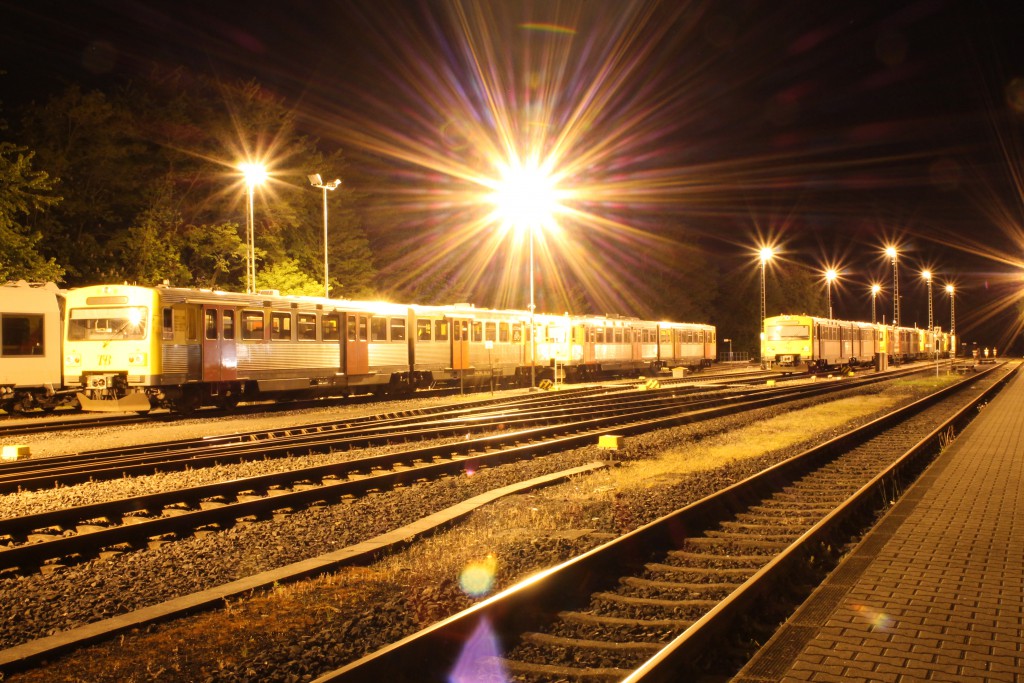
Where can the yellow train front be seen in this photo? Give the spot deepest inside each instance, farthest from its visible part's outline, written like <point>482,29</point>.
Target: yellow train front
<point>804,343</point>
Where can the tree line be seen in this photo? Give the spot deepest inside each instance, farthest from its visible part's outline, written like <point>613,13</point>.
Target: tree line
<point>140,183</point>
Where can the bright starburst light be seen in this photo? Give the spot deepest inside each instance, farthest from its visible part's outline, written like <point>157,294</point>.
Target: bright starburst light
<point>548,121</point>
<point>525,197</point>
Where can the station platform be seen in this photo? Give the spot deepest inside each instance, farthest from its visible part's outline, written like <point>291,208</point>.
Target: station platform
<point>936,591</point>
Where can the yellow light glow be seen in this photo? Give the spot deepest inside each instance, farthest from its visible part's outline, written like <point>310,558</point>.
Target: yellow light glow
<point>766,254</point>
<point>875,289</point>
<point>927,275</point>
<point>890,252</point>
<point>525,196</point>
<point>949,289</point>
<point>831,274</point>
<point>254,174</point>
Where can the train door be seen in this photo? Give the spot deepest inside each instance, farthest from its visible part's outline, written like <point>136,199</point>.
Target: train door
<point>460,345</point>
<point>356,349</point>
<point>220,360</point>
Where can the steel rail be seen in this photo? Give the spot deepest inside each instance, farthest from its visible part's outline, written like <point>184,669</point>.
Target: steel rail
<point>324,483</point>
<point>435,650</point>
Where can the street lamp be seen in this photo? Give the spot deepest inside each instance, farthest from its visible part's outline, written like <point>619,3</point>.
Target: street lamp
<point>729,342</point>
<point>927,275</point>
<point>952,317</point>
<point>891,253</point>
<point>766,255</point>
<point>317,182</point>
<point>830,276</point>
<point>254,174</point>
<point>875,289</point>
<point>526,198</point>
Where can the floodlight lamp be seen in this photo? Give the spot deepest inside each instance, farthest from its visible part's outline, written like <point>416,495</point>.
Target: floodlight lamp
<point>315,180</point>
<point>255,174</point>
<point>927,275</point>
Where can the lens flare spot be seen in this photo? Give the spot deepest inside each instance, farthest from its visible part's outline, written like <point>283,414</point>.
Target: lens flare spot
<point>878,620</point>
<point>477,578</point>
<point>480,658</point>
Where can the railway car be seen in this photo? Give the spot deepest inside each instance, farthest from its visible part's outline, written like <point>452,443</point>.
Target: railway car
<point>798,343</point>
<point>804,343</point>
<point>137,348</point>
<point>130,348</point>
<point>30,348</point>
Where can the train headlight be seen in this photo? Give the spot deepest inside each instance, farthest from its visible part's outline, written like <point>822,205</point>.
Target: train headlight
<point>136,359</point>
<point>73,359</point>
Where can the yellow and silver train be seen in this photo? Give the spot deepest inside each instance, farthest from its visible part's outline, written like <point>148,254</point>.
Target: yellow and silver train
<point>804,343</point>
<point>133,348</point>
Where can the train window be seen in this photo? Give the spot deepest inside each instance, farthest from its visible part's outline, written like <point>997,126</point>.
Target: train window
<point>281,326</point>
<point>362,328</point>
<point>778,332</point>
<point>618,335</point>
<point>305,326</point>
<point>168,323</point>
<point>491,332</point>
<point>210,327</point>
<point>458,331</point>
<point>378,329</point>
<point>329,327</point>
<point>351,328</point>
<point>478,331</point>
<point>441,330</point>
<point>665,337</point>
<point>252,324</point>
<point>503,332</point>
<point>599,335</point>
<point>104,324</point>
<point>517,333</point>
<point>229,324</point>
<point>398,329</point>
<point>423,330</point>
<point>22,335</point>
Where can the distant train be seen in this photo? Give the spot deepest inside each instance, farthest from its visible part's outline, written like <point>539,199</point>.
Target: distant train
<point>130,348</point>
<point>803,343</point>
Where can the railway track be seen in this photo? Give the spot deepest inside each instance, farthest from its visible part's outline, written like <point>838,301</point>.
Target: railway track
<point>84,531</point>
<point>664,602</point>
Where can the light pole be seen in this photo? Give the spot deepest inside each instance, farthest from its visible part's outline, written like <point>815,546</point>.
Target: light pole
<point>891,253</point>
<point>533,328</point>
<point>927,275</point>
<point>729,342</point>
<point>952,317</point>
<point>830,276</point>
<point>766,255</point>
<point>317,182</point>
<point>255,174</point>
<point>875,289</point>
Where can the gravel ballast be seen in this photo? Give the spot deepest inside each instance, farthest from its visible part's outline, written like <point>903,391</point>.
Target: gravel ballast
<point>294,633</point>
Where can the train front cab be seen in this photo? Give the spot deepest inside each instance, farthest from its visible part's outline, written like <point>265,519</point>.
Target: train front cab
<point>788,346</point>
<point>110,348</point>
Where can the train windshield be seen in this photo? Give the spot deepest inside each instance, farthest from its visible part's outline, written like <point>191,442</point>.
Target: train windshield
<point>104,324</point>
<point>780,332</point>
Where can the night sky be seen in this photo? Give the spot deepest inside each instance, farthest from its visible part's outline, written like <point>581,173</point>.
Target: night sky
<point>829,129</point>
